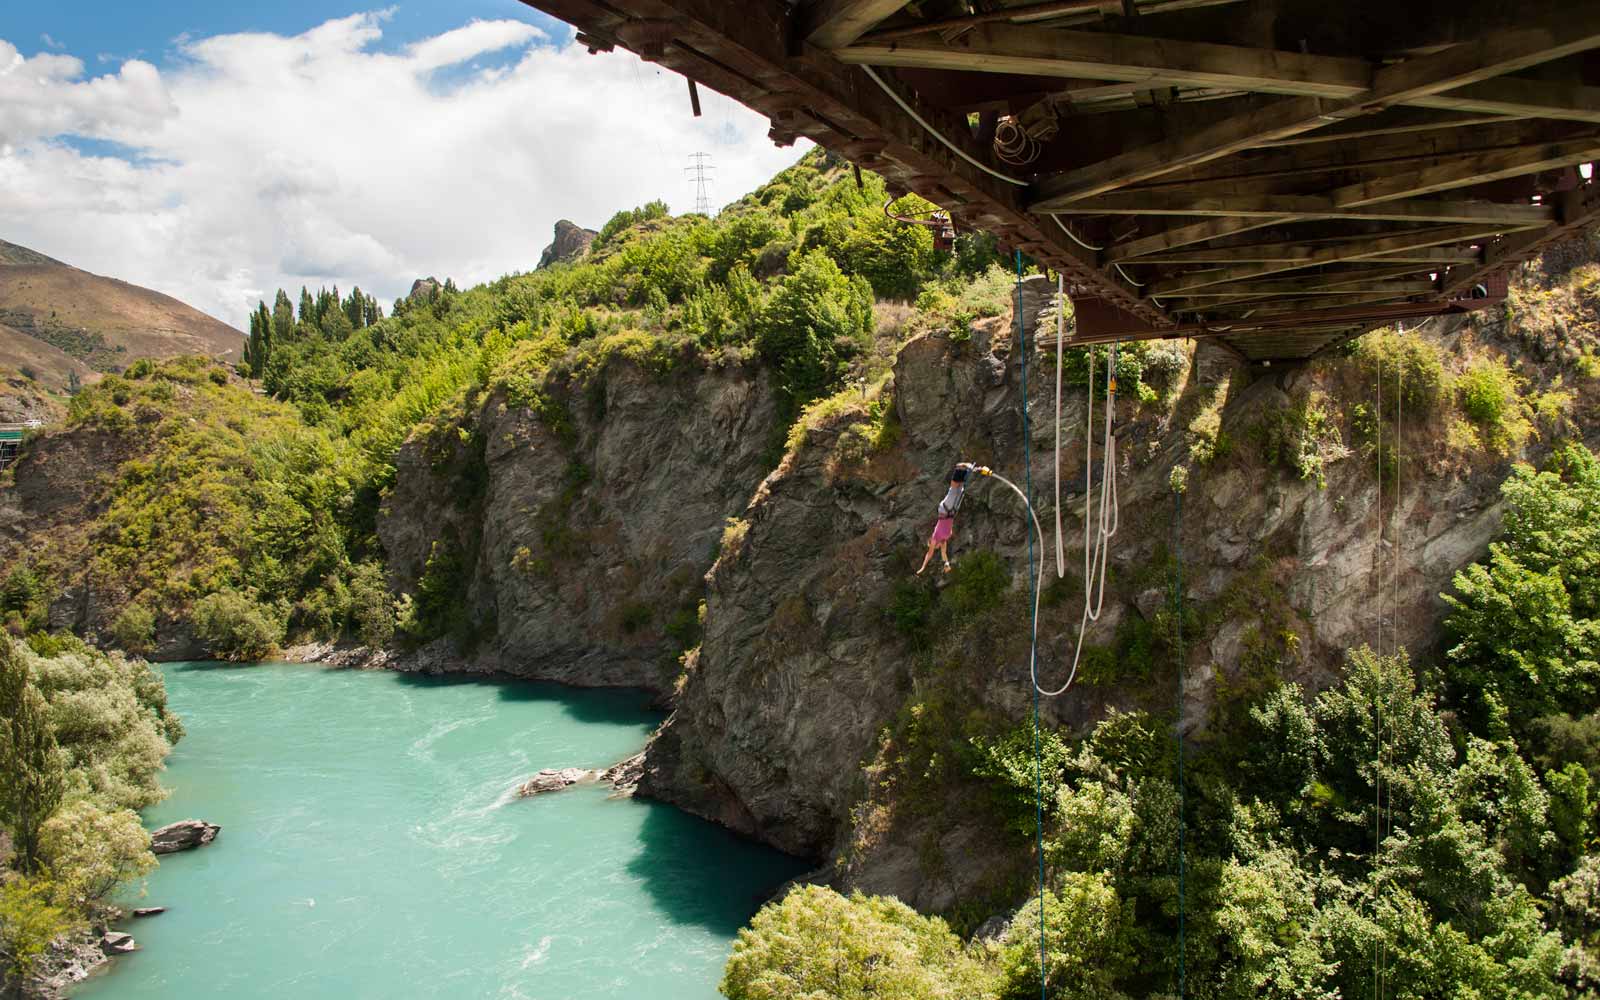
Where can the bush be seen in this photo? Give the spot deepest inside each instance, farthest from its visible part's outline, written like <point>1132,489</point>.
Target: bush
<point>1089,943</point>
<point>134,629</point>
<point>91,851</point>
<point>1524,626</point>
<point>817,943</point>
<point>236,627</point>
<point>1487,392</point>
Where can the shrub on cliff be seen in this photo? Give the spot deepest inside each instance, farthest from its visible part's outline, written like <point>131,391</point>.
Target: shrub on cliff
<point>817,943</point>
<point>1524,625</point>
<point>236,627</point>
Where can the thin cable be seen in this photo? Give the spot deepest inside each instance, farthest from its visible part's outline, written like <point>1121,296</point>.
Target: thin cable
<point>1136,284</point>
<point>1033,638</point>
<point>1074,236</point>
<point>1399,519</point>
<point>1061,333</point>
<point>894,96</point>
<point>1377,765</point>
<point>1177,601</point>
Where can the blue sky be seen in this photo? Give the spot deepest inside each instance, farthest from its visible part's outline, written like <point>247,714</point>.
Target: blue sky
<point>219,151</point>
<point>91,29</point>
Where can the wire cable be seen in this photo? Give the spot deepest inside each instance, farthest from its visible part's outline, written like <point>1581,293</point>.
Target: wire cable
<point>1074,236</point>
<point>894,96</point>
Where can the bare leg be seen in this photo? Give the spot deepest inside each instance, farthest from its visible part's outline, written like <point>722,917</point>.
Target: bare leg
<point>944,553</point>
<point>926,558</point>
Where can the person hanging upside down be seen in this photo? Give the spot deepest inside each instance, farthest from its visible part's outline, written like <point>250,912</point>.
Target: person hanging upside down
<point>944,524</point>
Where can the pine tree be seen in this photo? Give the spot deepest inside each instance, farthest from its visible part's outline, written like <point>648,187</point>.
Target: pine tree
<point>308,308</point>
<point>282,318</point>
<point>32,768</point>
<point>255,348</point>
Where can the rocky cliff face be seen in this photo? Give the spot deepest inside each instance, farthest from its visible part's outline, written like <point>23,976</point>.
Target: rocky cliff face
<point>584,544</point>
<point>571,241</point>
<point>793,711</point>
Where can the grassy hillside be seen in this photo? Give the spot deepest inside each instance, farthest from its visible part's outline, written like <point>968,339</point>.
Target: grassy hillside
<point>103,322</point>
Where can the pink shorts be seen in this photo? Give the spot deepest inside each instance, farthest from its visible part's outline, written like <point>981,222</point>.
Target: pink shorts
<point>943,528</point>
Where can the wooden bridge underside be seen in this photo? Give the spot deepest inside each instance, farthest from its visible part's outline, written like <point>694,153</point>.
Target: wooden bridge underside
<point>1279,175</point>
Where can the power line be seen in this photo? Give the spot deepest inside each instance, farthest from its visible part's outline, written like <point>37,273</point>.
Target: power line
<point>699,172</point>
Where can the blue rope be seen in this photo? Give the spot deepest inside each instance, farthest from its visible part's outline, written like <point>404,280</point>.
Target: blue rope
<point>1177,601</point>
<point>1038,760</point>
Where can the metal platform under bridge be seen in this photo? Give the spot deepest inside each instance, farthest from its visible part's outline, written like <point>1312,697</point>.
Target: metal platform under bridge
<point>1278,175</point>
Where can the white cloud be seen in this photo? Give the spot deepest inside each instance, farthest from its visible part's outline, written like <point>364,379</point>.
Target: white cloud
<point>264,160</point>
<point>51,43</point>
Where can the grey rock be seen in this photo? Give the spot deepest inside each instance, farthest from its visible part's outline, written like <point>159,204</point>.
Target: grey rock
<point>552,780</point>
<point>148,911</point>
<point>424,290</point>
<point>117,943</point>
<point>182,836</point>
<point>571,242</point>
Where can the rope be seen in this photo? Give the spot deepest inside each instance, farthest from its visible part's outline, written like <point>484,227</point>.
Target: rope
<point>1177,604</point>
<point>895,96</point>
<point>1033,635</point>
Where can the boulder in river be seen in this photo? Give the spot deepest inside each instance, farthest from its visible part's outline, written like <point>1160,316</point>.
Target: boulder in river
<point>183,835</point>
<point>117,943</point>
<point>552,780</point>
<point>148,911</point>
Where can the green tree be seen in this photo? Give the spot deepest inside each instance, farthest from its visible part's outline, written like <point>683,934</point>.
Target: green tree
<point>32,771</point>
<point>29,921</point>
<point>90,851</point>
<point>817,943</point>
<point>1089,943</point>
<point>236,627</point>
<point>815,321</point>
<point>1524,627</point>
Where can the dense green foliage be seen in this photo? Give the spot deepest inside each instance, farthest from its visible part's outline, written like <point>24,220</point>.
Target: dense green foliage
<point>1323,830</point>
<point>82,740</point>
<point>1524,625</point>
<point>229,494</point>
<point>816,943</point>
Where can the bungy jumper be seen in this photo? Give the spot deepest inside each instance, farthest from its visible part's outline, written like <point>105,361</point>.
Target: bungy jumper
<point>1099,524</point>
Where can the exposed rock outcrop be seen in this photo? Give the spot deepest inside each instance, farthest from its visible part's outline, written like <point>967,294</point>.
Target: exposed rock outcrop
<point>554,780</point>
<point>799,675</point>
<point>183,835</point>
<point>424,290</point>
<point>117,943</point>
<point>148,911</point>
<point>571,242</point>
<point>581,549</point>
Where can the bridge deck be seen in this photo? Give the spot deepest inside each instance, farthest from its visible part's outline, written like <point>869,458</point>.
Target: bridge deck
<point>1278,174</point>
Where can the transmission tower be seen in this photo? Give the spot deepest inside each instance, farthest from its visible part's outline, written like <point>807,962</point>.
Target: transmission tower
<point>699,172</point>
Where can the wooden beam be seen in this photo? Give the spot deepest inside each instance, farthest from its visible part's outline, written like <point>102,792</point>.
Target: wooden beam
<point>1516,97</point>
<point>1327,255</point>
<point>1468,171</point>
<point>1151,62</point>
<point>1397,84</point>
<point>1269,291</point>
<point>1398,121</point>
<point>1266,253</point>
<point>1037,10</point>
<point>1158,62</point>
<point>1187,235</point>
<point>833,24</point>
<point>1307,207</point>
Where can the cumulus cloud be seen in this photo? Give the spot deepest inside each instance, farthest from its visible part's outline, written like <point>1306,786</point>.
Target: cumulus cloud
<point>259,160</point>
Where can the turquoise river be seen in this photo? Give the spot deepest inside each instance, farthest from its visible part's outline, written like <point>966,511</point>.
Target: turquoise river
<point>372,846</point>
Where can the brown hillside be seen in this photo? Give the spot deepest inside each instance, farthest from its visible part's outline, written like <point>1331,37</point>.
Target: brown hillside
<point>103,322</point>
<point>46,365</point>
<point>10,253</point>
